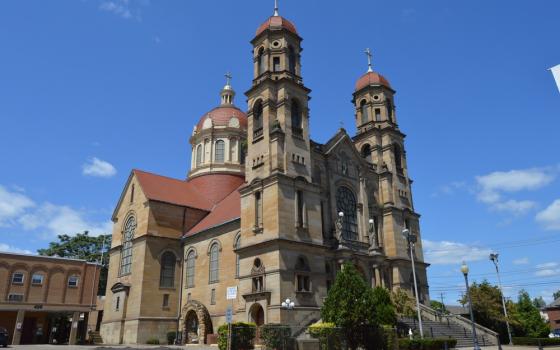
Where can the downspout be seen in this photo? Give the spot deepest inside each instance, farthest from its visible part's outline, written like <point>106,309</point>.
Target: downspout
<point>179,304</point>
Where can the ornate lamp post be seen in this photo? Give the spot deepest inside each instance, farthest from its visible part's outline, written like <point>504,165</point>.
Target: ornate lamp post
<point>288,304</point>
<point>494,259</point>
<point>465,271</point>
<point>411,240</point>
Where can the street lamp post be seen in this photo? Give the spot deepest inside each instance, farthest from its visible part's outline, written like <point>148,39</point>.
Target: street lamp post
<point>494,259</point>
<point>287,305</point>
<point>411,240</point>
<point>465,271</point>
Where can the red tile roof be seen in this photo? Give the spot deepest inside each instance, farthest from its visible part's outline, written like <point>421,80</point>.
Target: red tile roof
<point>276,23</point>
<point>371,78</point>
<point>202,192</point>
<point>227,210</point>
<point>221,116</point>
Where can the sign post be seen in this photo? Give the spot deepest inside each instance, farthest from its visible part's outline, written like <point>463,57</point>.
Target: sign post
<point>231,294</point>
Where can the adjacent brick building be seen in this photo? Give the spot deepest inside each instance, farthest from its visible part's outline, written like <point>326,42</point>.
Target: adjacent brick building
<point>38,294</point>
<point>553,312</point>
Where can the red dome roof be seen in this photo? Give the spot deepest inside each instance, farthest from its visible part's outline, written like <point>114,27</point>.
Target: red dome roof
<point>277,23</point>
<point>221,116</point>
<point>371,78</point>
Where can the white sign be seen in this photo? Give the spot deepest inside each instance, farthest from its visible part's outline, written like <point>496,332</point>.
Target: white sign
<point>231,293</point>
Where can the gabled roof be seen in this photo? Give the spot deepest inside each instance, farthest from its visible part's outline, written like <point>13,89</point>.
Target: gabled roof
<point>341,137</point>
<point>554,305</point>
<point>227,210</point>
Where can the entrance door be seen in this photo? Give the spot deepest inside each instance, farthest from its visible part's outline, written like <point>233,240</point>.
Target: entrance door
<point>28,330</point>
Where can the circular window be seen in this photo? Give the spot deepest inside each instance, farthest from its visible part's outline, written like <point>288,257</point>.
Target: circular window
<point>276,43</point>
<point>376,97</point>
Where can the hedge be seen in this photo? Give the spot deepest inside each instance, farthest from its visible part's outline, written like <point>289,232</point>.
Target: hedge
<point>329,336</point>
<point>276,336</point>
<point>426,343</point>
<point>242,336</point>
<point>153,341</point>
<point>535,341</point>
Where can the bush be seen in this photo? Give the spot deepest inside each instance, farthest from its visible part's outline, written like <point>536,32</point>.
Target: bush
<point>426,344</point>
<point>242,336</point>
<point>153,341</point>
<point>329,336</point>
<point>276,336</point>
<point>535,341</point>
<point>171,337</point>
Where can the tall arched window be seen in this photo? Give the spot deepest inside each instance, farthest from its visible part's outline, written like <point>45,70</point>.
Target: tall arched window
<point>363,111</point>
<point>237,245</point>
<point>389,110</point>
<point>303,280</point>
<point>214,263</point>
<point>126,249</point>
<point>346,203</point>
<point>190,268</point>
<point>199,155</point>
<point>366,152</point>
<point>261,61</point>
<point>257,118</point>
<point>291,60</point>
<point>398,157</point>
<point>220,151</point>
<point>167,272</point>
<point>296,117</point>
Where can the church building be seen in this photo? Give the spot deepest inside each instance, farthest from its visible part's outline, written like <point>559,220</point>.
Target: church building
<point>264,209</point>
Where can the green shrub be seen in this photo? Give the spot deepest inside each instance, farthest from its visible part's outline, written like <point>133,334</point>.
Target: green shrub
<point>171,337</point>
<point>153,341</point>
<point>276,336</point>
<point>242,336</point>
<point>328,334</point>
<point>426,344</point>
<point>535,341</point>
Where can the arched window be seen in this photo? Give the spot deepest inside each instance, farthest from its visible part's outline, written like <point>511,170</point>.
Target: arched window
<point>366,152</point>
<point>237,245</point>
<point>363,111</point>
<point>303,280</point>
<point>257,118</point>
<point>198,155</point>
<point>190,268</point>
<point>398,157</point>
<point>220,151</point>
<point>261,61</point>
<point>291,60</point>
<point>126,249</point>
<point>214,263</point>
<point>346,203</point>
<point>296,117</point>
<point>389,110</point>
<point>167,272</point>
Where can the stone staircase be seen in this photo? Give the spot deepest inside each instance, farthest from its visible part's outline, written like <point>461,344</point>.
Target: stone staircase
<point>95,337</point>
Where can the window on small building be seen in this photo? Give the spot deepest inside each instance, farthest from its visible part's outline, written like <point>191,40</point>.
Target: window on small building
<point>198,155</point>
<point>214,263</point>
<point>296,117</point>
<point>73,281</point>
<point>190,269</point>
<point>17,278</point>
<point>165,302</point>
<point>299,218</point>
<point>303,280</point>
<point>363,111</point>
<point>220,151</point>
<point>167,272</point>
<point>37,279</point>
<point>377,115</point>
<point>258,209</point>
<point>126,249</point>
<point>276,64</point>
<point>213,296</point>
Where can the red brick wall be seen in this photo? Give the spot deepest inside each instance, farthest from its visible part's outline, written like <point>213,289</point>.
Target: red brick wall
<point>554,317</point>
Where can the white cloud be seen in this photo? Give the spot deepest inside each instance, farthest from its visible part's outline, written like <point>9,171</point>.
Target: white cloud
<point>493,186</point>
<point>99,168</point>
<point>548,269</point>
<point>521,261</point>
<point>11,249</point>
<point>446,252</point>
<point>550,217</point>
<point>450,188</point>
<point>53,219</point>
<point>127,9</point>
<point>12,204</point>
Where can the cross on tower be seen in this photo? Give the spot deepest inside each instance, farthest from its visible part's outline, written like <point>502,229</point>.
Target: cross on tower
<point>276,8</point>
<point>369,57</point>
<point>228,78</point>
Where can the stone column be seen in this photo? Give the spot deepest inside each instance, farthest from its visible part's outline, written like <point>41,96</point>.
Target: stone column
<point>18,329</point>
<point>74,328</point>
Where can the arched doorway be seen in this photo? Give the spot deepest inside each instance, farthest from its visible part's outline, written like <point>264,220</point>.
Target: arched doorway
<point>195,323</point>
<point>256,315</point>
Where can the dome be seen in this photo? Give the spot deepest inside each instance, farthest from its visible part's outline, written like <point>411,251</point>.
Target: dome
<point>371,78</point>
<point>276,23</point>
<point>223,116</point>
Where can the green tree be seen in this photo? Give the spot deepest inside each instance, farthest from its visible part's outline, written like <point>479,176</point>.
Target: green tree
<point>405,306</point>
<point>385,313</point>
<point>539,302</point>
<point>437,305</point>
<point>85,247</point>
<point>351,305</point>
<point>556,295</point>
<point>530,322</point>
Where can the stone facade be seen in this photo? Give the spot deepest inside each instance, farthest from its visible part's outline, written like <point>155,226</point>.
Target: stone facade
<point>265,209</point>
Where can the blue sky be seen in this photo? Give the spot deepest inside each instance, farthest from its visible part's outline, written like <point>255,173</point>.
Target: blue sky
<point>91,89</point>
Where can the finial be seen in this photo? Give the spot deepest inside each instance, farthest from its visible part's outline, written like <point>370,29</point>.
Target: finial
<point>276,8</point>
<point>369,56</point>
<point>228,78</point>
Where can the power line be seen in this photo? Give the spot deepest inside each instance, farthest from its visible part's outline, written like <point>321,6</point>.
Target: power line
<point>504,244</point>
<point>494,273</point>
